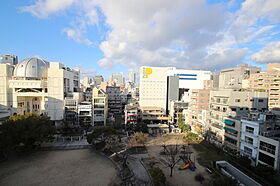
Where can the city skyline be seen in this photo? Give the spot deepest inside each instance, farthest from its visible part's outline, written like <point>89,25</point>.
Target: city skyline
<point>92,35</point>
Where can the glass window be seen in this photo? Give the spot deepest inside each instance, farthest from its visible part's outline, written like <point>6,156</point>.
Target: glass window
<point>248,151</point>
<point>249,129</point>
<point>237,100</point>
<point>249,140</point>
<point>266,159</point>
<point>267,147</point>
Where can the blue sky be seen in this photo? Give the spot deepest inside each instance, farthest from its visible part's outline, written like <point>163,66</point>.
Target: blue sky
<point>107,36</point>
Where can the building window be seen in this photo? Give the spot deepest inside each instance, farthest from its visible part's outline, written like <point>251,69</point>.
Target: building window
<point>230,140</point>
<point>248,151</point>
<point>224,109</point>
<point>249,129</point>
<point>233,109</point>
<point>260,100</point>
<point>237,100</point>
<point>267,147</point>
<point>249,140</point>
<point>266,159</point>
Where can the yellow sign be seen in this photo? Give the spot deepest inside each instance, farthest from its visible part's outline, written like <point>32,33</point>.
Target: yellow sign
<point>147,72</point>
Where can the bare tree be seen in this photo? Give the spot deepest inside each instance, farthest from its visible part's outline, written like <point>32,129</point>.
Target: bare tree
<point>172,157</point>
<point>138,139</point>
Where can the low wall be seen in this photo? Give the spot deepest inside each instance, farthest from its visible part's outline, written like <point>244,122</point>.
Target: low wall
<point>236,173</point>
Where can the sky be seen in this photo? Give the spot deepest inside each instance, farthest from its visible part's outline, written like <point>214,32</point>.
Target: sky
<point>108,36</point>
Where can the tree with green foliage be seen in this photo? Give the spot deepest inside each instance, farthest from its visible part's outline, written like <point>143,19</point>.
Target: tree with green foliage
<point>191,137</point>
<point>25,132</point>
<point>181,122</point>
<point>158,176</point>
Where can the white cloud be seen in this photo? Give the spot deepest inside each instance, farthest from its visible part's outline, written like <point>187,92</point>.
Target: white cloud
<point>270,53</point>
<point>44,8</point>
<point>181,33</point>
<point>254,18</point>
<point>77,35</point>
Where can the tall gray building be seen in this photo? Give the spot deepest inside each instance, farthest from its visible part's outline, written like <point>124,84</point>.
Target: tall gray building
<point>232,78</point>
<point>98,79</point>
<point>118,78</point>
<point>9,59</point>
<point>132,77</point>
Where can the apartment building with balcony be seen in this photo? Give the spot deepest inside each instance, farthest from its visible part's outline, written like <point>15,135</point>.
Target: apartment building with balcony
<point>232,133</point>
<point>198,110</point>
<point>259,139</point>
<point>153,115</point>
<point>85,114</point>
<point>131,114</point>
<point>177,108</point>
<point>268,82</point>
<point>229,103</point>
<point>99,107</point>
<point>114,101</point>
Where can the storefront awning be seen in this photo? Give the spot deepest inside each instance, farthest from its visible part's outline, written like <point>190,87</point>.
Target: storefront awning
<point>230,130</point>
<point>228,122</point>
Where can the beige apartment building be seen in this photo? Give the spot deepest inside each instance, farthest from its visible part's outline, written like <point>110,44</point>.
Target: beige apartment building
<point>268,82</point>
<point>230,103</point>
<point>199,108</point>
<point>151,115</point>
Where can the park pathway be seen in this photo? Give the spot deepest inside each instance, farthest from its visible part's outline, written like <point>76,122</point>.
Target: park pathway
<point>140,172</point>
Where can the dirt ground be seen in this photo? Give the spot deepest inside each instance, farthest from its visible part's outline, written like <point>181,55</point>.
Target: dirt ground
<point>68,167</point>
<point>180,177</point>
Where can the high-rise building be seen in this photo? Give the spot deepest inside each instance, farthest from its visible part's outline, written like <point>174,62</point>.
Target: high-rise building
<point>9,59</point>
<point>97,80</point>
<point>232,78</point>
<point>132,77</point>
<point>153,87</point>
<point>118,78</point>
<point>158,85</point>
<point>268,82</point>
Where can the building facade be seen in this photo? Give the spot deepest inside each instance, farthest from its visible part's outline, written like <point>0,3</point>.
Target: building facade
<point>232,78</point>
<point>100,107</point>
<point>229,103</point>
<point>268,82</point>
<point>37,86</point>
<point>9,59</point>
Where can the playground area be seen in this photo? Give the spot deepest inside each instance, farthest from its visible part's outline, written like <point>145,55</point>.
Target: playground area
<point>63,167</point>
<point>185,170</point>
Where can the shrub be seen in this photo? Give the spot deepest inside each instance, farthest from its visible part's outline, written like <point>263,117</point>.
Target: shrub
<point>199,177</point>
<point>158,176</point>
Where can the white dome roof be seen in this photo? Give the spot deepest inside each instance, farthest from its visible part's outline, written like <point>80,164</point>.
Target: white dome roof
<point>31,68</point>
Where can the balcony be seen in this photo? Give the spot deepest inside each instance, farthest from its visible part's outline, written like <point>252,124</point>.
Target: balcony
<point>229,122</point>
<point>27,84</point>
